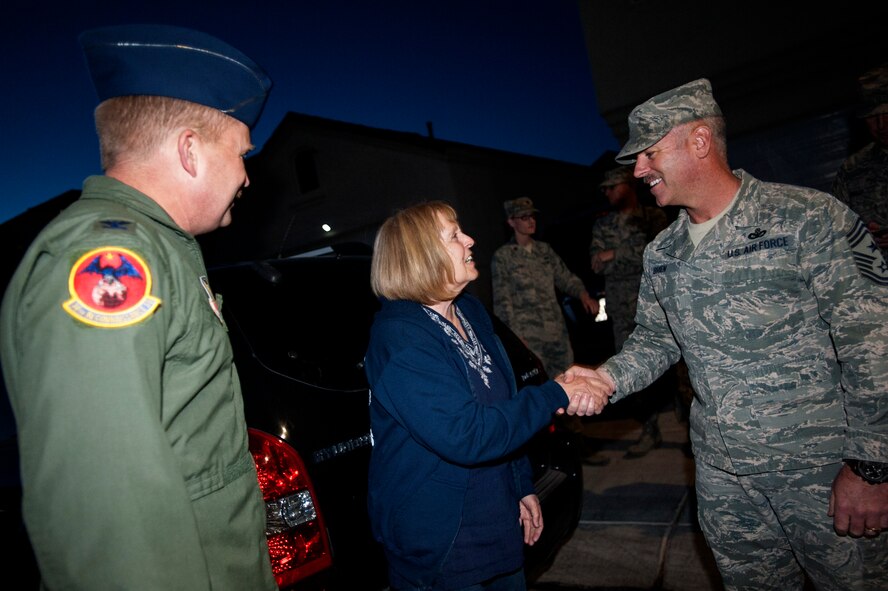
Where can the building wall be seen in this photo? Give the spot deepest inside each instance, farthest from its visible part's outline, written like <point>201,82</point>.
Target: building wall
<point>364,174</point>
<point>784,73</point>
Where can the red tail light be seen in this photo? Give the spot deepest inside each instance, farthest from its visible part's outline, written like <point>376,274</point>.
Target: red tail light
<point>297,537</point>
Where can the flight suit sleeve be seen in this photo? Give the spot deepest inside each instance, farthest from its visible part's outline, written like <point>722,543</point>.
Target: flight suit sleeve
<point>105,502</point>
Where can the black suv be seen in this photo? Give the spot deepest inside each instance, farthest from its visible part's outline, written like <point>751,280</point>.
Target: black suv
<point>299,328</point>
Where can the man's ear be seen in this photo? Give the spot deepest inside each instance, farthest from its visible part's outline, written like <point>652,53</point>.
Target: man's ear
<point>701,139</point>
<point>187,144</point>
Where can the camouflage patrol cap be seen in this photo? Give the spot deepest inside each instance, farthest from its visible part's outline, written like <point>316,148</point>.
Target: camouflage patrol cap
<point>650,121</point>
<point>519,207</point>
<point>615,176</point>
<point>874,91</point>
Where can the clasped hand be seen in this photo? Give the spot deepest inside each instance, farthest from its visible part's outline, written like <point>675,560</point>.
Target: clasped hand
<point>588,390</point>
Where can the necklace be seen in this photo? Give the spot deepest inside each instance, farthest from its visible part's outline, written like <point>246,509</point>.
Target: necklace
<point>470,348</point>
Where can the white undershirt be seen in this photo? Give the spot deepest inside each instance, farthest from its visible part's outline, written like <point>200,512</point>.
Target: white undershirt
<point>698,231</point>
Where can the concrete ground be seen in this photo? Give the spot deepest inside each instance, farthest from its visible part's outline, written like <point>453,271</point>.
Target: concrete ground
<point>638,529</point>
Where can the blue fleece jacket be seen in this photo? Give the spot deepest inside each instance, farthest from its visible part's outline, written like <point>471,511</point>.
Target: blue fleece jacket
<point>429,431</point>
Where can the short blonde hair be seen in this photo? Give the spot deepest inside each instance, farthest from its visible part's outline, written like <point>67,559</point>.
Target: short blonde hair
<point>132,126</point>
<point>410,261</point>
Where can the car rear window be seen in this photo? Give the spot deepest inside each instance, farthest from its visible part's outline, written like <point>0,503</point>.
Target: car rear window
<point>307,318</point>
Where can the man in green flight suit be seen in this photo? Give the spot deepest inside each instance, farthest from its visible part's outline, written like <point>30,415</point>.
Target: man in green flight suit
<point>135,468</point>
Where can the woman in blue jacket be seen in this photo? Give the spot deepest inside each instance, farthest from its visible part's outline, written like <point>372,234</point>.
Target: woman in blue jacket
<point>449,499</point>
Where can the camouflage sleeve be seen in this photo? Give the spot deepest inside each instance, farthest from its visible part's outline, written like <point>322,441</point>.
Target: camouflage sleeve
<point>565,279</point>
<point>502,296</point>
<point>602,240</point>
<point>839,188</point>
<point>597,243</point>
<point>630,252</point>
<point>627,259</point>
<point>648,352</point>
<point>849,278</point>
<point>628,241</point>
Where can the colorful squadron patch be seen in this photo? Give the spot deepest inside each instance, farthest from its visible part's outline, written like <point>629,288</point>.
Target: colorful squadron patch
<point>110,287</point>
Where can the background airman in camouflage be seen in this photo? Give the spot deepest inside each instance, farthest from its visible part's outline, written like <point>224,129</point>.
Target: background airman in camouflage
<point>862,180</point>
<point>525,273</point>
<point>616,251</point>
<point>776,296</point>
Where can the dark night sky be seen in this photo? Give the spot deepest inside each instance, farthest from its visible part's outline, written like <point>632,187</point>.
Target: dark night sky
<point>506,74</point>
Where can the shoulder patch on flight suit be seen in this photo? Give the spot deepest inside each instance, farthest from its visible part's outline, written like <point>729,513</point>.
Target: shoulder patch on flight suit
<point>110,287</point>
<point>867,256</point>
<point>120,225</point>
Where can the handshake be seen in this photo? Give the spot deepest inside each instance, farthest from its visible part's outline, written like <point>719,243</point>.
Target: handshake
<point>588,390</point>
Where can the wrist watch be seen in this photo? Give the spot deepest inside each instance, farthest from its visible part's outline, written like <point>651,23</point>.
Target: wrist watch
<point>872,472</point>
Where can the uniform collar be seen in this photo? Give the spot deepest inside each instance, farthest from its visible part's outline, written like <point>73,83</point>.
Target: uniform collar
<point>740,217</point>
<point>110,189</point>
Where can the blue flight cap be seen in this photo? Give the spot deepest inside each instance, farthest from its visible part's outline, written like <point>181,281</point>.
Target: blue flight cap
<point>163,60</point>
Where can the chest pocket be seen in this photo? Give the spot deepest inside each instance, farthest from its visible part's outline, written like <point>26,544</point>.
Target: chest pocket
<point>761,296</point>
<point>758,283</point>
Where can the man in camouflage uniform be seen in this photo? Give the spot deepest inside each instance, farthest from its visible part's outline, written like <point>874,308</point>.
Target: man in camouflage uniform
<point>618,241</point>
<point>862,180</point>
<point>776,296</point>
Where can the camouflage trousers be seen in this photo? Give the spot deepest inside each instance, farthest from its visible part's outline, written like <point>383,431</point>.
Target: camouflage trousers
<point>770,530</point>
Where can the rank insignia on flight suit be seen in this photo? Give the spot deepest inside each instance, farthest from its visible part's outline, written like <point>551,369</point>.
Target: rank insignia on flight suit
<point>110,287</point>
<point>213,299</point>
